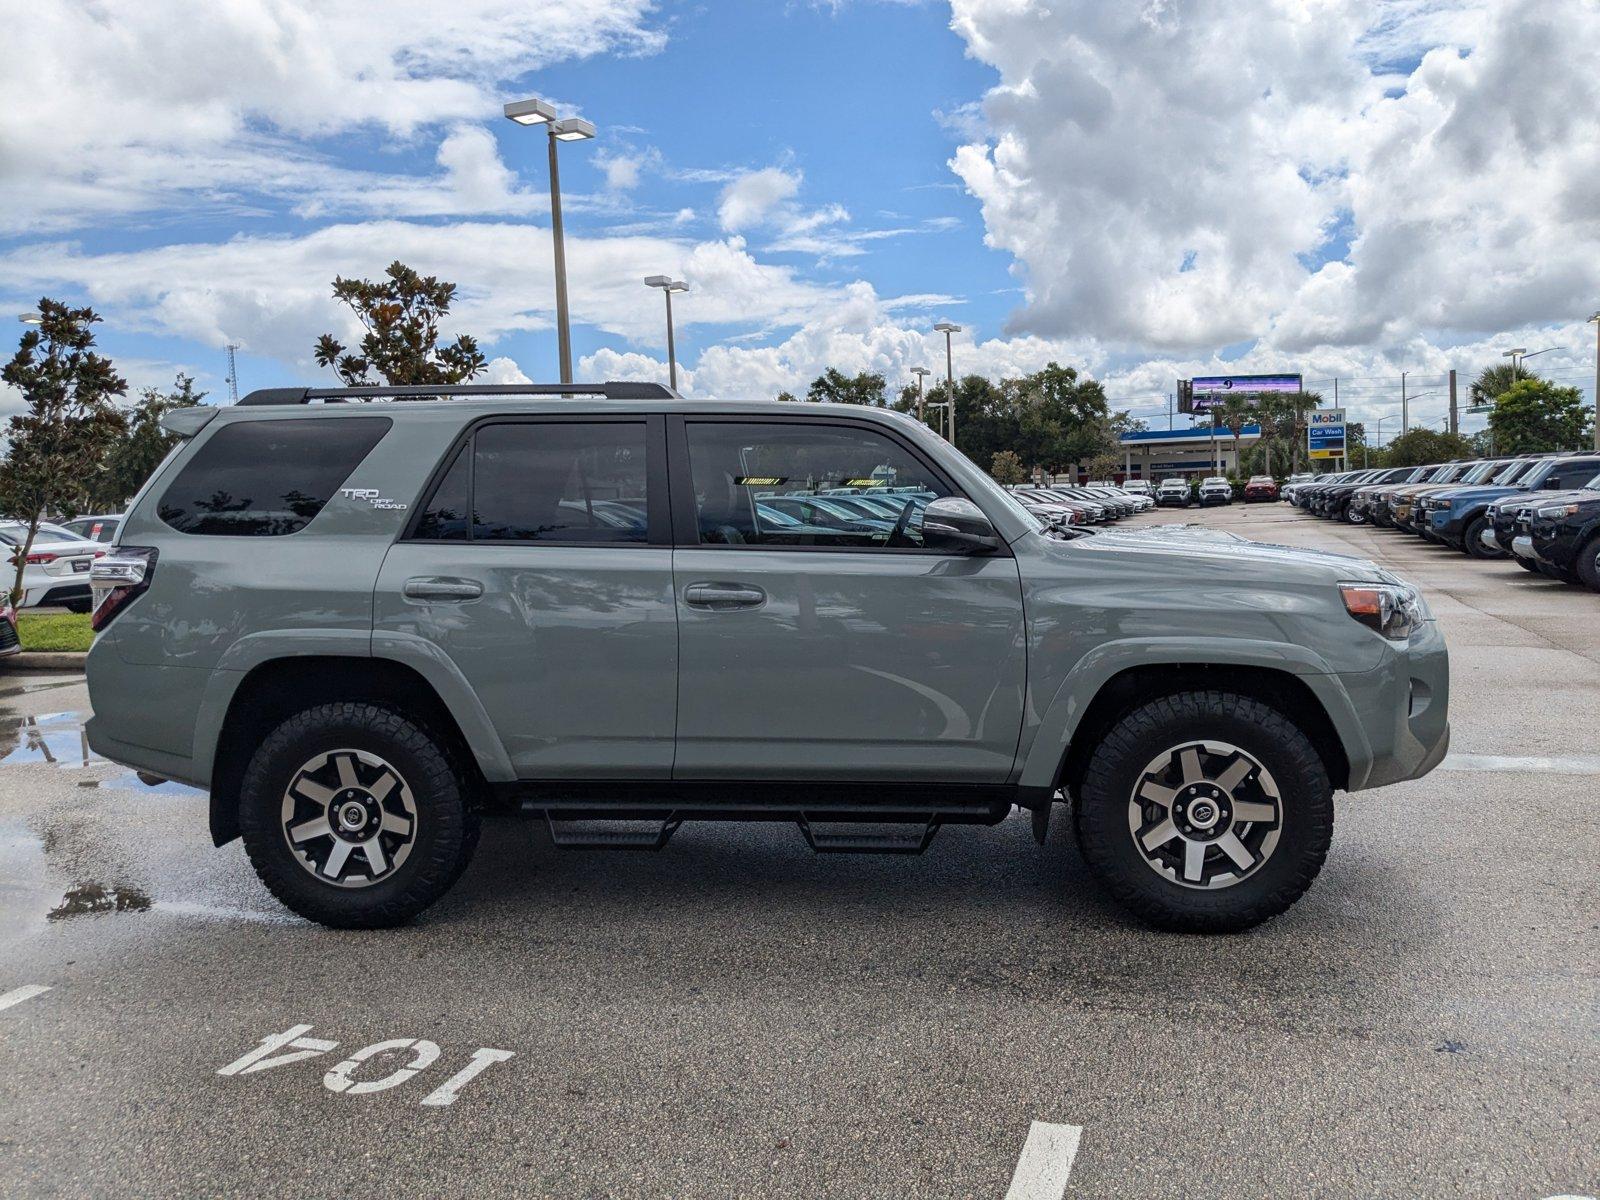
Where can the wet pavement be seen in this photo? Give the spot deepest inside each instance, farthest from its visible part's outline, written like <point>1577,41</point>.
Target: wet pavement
<point>738,1017</point>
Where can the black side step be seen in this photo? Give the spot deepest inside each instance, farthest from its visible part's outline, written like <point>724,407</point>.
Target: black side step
<point>827,841</point>
<point>564,835</point>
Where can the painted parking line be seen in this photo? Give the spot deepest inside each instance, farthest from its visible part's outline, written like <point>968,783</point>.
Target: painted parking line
<point>26,992</point>
<point>1046,1163</point>
<point>1511,764</point>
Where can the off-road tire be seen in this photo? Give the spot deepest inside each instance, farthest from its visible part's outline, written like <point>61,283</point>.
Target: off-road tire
<point>446,824</point>
<point>1263,733</point>
<point>1473,540</point>
<point>1588,563</point>
<point>1527,564</point>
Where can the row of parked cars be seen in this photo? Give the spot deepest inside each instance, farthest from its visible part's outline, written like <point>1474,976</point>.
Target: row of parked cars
<point>1540,510</point>
<point>1090,504</point>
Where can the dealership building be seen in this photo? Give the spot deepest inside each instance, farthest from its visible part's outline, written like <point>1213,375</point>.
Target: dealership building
<point>1154,454</point>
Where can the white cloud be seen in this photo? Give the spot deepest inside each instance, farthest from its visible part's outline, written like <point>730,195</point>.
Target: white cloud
<point>753,197</point>
<point>1170,177</point>
<point>133,107</point>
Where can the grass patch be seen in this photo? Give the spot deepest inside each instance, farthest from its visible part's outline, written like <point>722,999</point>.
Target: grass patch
<point>54,631</point>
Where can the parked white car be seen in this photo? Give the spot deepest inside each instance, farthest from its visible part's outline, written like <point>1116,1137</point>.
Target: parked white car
<point>102,528</point>
<point>1139,487</point>
<point>1216,490</point>
<point>57,570</point>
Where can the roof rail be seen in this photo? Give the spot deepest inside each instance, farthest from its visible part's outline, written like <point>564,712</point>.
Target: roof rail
<point>624,389</point>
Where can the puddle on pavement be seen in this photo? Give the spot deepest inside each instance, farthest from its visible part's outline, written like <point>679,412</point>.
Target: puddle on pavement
<point>132,783</point>
<point>55,738</point>
<point>85,899</point>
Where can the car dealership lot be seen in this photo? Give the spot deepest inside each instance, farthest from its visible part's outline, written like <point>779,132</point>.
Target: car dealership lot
<point>735,1016</point>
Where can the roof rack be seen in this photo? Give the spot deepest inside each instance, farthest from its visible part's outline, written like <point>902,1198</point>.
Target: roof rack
<point>625,389</point>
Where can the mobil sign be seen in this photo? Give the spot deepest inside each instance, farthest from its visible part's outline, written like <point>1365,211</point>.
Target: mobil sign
<point>1325,432</point>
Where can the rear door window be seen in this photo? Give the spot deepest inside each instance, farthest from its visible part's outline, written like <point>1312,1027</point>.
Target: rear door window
<point>267,478</point>
<point>571,482</point>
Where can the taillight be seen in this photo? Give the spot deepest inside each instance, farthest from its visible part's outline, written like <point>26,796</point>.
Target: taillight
<point>39,558</point>
<point>118,579</point>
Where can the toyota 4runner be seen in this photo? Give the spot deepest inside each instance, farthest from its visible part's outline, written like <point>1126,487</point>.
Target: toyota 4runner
<point>361,617</point>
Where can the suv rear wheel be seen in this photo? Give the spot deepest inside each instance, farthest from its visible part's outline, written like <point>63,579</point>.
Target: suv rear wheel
<point>1588,563</point>
<point>355,816</point>
<point>1205,812</point>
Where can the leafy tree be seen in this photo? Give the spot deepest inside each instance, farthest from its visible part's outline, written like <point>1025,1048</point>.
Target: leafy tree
<point>1492,381</point>
<point>1235,412</point>
<point>787,398</point>
<point>137,455</point>
<point>834,386</point>
<point>68,428</point>
<point>1415,447</point>
<point>1061,418</point>
<point>1535,414</point>
<point>1006,467</point>
<point>401,345</point>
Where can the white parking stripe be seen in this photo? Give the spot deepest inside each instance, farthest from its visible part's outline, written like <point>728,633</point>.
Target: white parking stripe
<point>1574,764</point>
<point>1046,1163</point>
<point>26,992</point>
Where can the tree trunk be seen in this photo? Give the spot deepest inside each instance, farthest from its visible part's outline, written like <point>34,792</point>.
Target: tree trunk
<point>19,558</point>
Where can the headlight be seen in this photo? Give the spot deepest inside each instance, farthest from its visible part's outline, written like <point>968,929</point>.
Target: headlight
<point>1557,510</point>
<point>1393,610</point>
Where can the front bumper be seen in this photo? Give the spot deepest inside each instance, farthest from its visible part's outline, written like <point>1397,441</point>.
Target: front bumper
<point>1402,710</point>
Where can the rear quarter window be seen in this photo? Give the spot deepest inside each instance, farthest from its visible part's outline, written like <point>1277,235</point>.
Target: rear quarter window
<point>267,478</point>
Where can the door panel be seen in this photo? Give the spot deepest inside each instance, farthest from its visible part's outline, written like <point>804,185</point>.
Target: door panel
<point>855,666</point>
<point>572,651</point>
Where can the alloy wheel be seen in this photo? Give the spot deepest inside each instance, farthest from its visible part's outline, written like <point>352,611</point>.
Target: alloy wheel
<point>1205,815</point>
<point>349,818</point>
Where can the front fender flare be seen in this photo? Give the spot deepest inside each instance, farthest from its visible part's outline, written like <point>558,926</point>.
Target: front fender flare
<point>1052,739</point>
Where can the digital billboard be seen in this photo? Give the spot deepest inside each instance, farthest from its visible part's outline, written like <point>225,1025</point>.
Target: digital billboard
<point>1208,391</point>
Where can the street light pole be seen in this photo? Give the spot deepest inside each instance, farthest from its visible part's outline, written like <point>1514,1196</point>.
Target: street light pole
<point>946,328</point>
<point>572,129</point>
<point>1405,407</point>
<point>920,372</point>
<point>668,285</point>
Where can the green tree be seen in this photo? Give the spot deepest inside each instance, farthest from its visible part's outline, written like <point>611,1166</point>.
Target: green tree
<point>1235,412</point>
<point>1492,381</point>
<point>1061,418</point>
<point>68,427</point>
<point>137,455</point>
<point>1006,467</point>
<point>401,316</point>
<point>835,387</point>
<point>1416,447</point>
<point>1534,414</point>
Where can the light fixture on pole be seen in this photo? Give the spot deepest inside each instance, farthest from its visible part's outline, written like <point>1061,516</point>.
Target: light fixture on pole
<point>31,318</point>
<point>1595,321</point>
<point>668,285</point>
<point>572,129</point>
<point>946,328</point>
<point>1516,356</point>
<point>921,372</point>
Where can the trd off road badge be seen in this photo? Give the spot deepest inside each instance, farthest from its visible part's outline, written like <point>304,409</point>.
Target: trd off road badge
<point>371,496</point>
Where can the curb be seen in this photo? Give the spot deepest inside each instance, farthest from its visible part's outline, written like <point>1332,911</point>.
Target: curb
<point>46,660</point>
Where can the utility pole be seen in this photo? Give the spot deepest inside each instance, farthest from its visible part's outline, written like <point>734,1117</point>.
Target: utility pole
<point>1169,400</point>
<point>1405,408</point>
<point>1596,321</point>
<point>233,374</point>
<point>1455,413</point>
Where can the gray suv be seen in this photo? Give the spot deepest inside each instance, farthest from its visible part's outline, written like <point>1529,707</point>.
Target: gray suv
<point>360,618</point>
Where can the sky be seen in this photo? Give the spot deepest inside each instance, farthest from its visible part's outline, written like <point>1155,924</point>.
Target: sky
<point>1147,191</point>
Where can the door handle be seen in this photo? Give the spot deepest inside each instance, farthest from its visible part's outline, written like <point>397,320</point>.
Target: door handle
<point>720,596</point>
<point>441,587</point>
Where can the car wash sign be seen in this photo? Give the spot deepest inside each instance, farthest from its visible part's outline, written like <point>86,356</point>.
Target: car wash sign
<point>1325,433</point>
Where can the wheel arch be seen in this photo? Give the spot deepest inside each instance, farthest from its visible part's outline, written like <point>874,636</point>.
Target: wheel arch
<point>1060,761</point>
<point>272,690</point>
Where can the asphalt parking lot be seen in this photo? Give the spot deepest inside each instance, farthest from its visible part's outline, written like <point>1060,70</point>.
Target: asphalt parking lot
<point>738,1017</point>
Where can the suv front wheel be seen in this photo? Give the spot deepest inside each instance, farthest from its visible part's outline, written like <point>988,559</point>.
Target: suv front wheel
<point>1205,812</point>
<point>355,816</point>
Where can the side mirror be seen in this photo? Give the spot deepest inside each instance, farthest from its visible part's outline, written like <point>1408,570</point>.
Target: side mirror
<point>958,526</point>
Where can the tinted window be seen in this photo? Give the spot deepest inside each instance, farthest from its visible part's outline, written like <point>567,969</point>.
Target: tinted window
<point>545,481</point>
<point>1574,473</point>
<point>267,478</point>
<point>803,484</point>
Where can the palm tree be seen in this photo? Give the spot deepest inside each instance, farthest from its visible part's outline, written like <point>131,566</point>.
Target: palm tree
<point>1492,381</point>
<point>1235,412</point>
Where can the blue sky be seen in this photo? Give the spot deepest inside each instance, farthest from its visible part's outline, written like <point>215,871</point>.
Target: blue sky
<point>1146,192</point>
